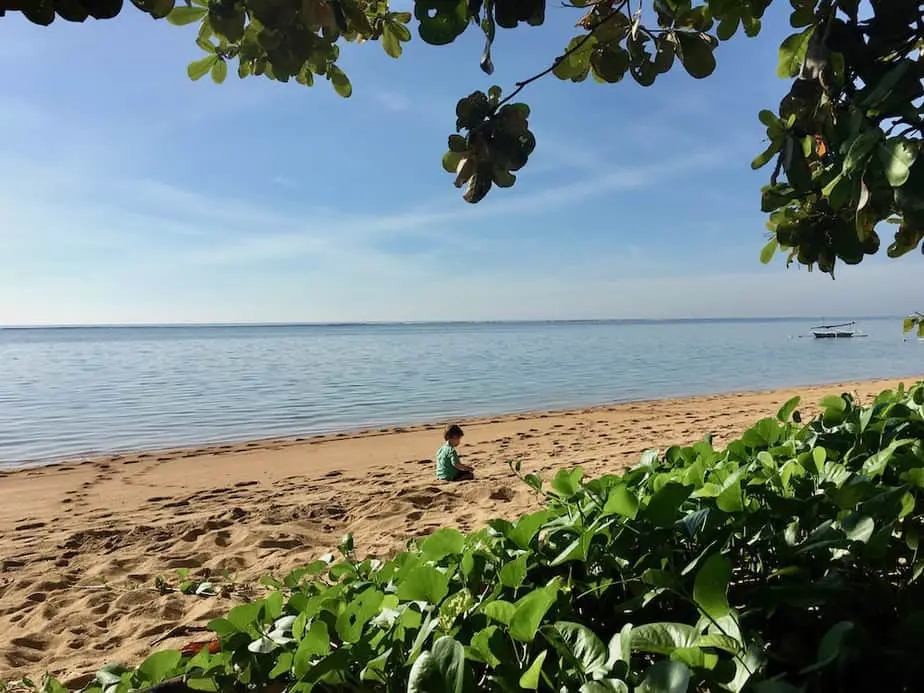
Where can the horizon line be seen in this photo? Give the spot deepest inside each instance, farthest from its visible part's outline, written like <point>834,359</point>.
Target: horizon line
<point>396,323</point>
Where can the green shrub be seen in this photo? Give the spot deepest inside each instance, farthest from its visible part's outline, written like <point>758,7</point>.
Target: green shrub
<point>786,561</point>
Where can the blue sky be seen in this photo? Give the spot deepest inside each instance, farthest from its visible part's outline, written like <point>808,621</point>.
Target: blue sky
<point>130,194</point>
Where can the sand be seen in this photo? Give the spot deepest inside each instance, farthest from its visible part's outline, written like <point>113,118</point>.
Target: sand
<point>82,544</point>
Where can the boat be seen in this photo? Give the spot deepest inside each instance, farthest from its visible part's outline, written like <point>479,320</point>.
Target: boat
<point>844,330</point>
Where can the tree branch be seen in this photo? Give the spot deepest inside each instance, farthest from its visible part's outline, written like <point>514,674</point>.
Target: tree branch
<point>564,56</point>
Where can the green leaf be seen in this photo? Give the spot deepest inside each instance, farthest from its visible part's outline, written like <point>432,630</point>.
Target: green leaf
<point>876,464</point>
<point>719,641</point>
<point>160,666</point>
<point>786,411</point>
<point>582,646</point>
<point>898,156</point>
<point>860,151</point>
<point>752,26</point>
<point>710,587</point>
<point>223,627</point>
<point>829,649</point>
<point>527,527</point>
<point>340,81</point>
<point>731,499</point>
<point>481,644</point>
<point>315,643</point>
<point>158,9</point>
<point>272,605</point>
<point>186,15</point>
<point>451,161</point>
<point>835,403</point>
<point>858,527</point>
<point>442,670</point>
<point>500,611</point>
<point>514,572</point>
<point>530,610</point>
<point>696,54</point>
<point>283,664</point>
<point>424,583</point>
<point>728,26</point>
<point>764,157</point>
<point>244,617</point>
<point>441,21</point>
<point>768,251</point>
<point>442,543</point>
<point>665,677</point>
<point>610,63</point>
<point>530,678</point>
<point>576,65</point>
<point>352,620</point>
<point>621,501</point>
<point>663,638</point>
<point>619,648</point>
<point>883,87</point>
<point>664,505</point>
<point>566,483</point>
<point>219,71</point>
<point>198,68</point>
<point>775,687</point>
<point>605,686</point>
<point>792,53</point>
<point>390,42</point>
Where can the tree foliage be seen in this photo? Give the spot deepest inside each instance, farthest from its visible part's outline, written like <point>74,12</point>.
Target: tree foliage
<point>843,143</point>
<point>788,561</point>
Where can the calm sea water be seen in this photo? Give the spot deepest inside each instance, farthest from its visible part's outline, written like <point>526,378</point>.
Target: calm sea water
<point>79,391</point>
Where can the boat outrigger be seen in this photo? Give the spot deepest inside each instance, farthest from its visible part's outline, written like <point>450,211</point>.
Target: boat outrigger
<point>844,330</point>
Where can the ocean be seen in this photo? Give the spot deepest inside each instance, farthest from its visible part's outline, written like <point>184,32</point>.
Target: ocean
<point>73,392</point>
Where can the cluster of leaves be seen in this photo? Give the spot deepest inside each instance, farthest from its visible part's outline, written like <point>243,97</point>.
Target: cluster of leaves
<point>613,43</point>
<point>496,141</point>
<point>284,39</point>
<point>44,11</point>
<point>278,39</point>
<point>787,561</point>
<point>848,133</point>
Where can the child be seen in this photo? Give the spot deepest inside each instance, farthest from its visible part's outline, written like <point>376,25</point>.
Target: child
<point>448,466</point>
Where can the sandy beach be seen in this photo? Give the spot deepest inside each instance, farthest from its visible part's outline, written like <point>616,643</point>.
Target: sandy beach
<point>82,544</point>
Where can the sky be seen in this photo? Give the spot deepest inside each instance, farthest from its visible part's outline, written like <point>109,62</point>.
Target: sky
<point>130,194</point>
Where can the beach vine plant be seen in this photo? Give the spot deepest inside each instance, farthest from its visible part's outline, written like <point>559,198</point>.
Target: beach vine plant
<point>787,561</point>
<point>844,142</point>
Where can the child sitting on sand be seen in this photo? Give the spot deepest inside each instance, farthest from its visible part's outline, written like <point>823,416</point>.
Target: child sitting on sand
<point>448,465</point>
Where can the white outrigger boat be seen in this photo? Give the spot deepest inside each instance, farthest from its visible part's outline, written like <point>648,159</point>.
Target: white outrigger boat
<point>844,330</point>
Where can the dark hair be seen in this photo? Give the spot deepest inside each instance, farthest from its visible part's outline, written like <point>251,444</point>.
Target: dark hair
<point>453,432</point>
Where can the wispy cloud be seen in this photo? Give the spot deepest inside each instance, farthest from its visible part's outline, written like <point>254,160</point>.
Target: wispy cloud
<point>392,100</point>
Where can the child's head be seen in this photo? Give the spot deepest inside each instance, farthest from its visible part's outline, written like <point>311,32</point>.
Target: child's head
<point>453,435</point>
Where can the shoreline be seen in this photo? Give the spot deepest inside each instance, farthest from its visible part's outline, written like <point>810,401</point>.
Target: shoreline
<point>229,446</point>
<point>84,545</point>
